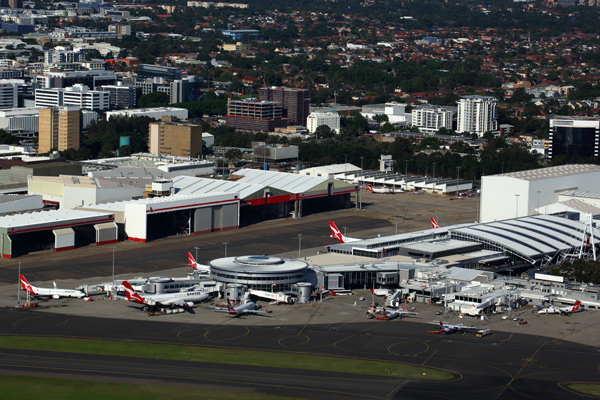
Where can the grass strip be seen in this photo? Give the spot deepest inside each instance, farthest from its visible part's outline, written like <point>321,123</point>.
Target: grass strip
<point>225,356</point>
<point>592,389</point>
<point>26,388</point>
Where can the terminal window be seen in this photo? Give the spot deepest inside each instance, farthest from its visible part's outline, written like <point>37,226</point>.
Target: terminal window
<point>573,141</point>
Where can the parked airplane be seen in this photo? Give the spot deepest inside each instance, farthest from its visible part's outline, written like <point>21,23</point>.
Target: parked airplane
<point>378,190</point>
<point>55,293</point>
<point>448,328</point>
<point>196,266</point>
<point>249,307</point>
<point>185,298</point>
<point>335,233</point>
<point>561,310</point>
<point>391,314</point>
<point>397,190</point>
<point>434,224</point>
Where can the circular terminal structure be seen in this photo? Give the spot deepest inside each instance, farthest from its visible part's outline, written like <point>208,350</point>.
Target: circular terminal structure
<point>259,272</point>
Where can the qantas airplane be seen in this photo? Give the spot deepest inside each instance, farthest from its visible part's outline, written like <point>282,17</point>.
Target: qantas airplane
<point>391,314</point>
<point>378,190</point>
<point>249,307</point>
<point>561,310</point>
<point>434,224</point>
<point>448,328</point>
<point>185,298</point>
<point>55,293</point>
<point>196,266</point>
<point>335,233</point>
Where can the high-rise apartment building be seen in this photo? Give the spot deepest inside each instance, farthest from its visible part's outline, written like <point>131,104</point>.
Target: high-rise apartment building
<point>9,93</point>
<point>330,119</point>
<point>477,114</point>
<point>175,138</point>
<point>574,136</point>
<point>429,119</point>
<point>295,102</point>
<point>59,128</point>
<point>120,29</point>
<point>146,71</point>
<point>122,96</point>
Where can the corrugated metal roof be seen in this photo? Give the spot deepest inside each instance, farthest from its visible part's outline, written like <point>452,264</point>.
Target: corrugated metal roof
<point>552,172</point>
<point>291,183</point>
<point>189,186</point>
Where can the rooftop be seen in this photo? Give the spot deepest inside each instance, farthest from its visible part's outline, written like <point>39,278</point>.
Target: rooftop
<point>552,172</point>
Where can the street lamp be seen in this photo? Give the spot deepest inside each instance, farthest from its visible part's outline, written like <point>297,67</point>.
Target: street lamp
<point>344,230</point>
<point>113,248</point>
<point>299,244</point>
<point>225,243</point>
<point>396,219</point>
<point>517,206</point>
<point>360,188</point>
<point>196,248</point>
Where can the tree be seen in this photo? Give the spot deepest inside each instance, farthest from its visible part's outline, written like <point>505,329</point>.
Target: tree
<point>154,99</point>
<point>324,131</point>
<point>233,154</point>
<point>381,118</point>
<point>488,135</point>
<point>387,127</point>
<point>8,138</point>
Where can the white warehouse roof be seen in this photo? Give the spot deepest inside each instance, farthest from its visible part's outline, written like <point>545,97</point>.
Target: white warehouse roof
<point>552,172</point>
<point>287,182</point>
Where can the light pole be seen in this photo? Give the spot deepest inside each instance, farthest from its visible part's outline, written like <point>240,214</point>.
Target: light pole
<point>196,248</point>
<point>299,244</point>
<point>538,207</point>
<point>114,292</point>
<point>433,170</point>
<point>19,288</point>
<point>405,167</point>
<point>360,188</point>
<point>396,219</point>
<point>457,179</point>
<point>517,206</point>
<point>345,230</point>
<point>345,163</point>
<point>225,243</point>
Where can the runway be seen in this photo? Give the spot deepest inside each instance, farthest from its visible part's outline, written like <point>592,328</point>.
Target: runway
<point>500,366</point>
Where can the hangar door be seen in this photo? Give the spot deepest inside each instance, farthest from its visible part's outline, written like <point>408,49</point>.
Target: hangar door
<point>215,218</point>
<point>106,233</point>
<point>64,239</point>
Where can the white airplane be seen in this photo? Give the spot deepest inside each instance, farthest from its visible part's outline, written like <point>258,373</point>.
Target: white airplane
<point>185,298</point>
<point>391,314</point>
<point>196,266</point>
<point>378,190</point>
<point>55,293</point>
<point>561,310</point>
<point>249,307</point>
<point>448,328</point>
<point>434,224</point>
<point>335,233</point>
<point>397,190</point>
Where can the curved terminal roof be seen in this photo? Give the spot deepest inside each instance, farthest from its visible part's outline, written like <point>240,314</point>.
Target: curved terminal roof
<point>531,237</point>
<point>258,265</point>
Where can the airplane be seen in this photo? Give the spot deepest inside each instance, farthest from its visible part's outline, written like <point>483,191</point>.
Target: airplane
<point>55,293</point>
<point>561,310</point>
<point>196,266</point>
<point>397,190</point>
<point>448,328</point>
<point>335,233</point>
<point>391,314</point>
<point>378,190</point>
<point>185,298</point>
<point>249,307</point>
<point>434,224</point>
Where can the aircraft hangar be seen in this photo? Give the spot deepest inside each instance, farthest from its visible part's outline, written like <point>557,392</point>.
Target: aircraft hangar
<point>57,229</point>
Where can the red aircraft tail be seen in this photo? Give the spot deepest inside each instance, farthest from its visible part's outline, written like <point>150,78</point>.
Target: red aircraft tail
<point>434,223</point>
<point>26,286</point>
<point>192,261</point>
<point>131,294</point>
<point>335,232</point>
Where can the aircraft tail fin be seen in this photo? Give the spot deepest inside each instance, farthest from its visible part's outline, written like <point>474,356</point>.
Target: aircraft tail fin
<point>333,293</point>
<point>577,305</point>
<point>434,223</point>
<point>192,262</point>
<point>26,285</point>
<point>55,287</point>
<point>369,187</point>
<point>335,232</point>
<point>131,294</point>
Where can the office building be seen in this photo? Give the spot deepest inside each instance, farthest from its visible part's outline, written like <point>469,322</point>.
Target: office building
<point>62,56</point>
<point>6,73</point>
<point>59,128</point>
<point>241,34</point>
<point>122,96</point>
<point>574,136</point>
<point>120,29</point>
<point>172,138</point>
<point>330,119</point>
<point>429,119</point>
<point>477,114</point>
<point>295,102</point>
<point>147,71</point>
<point>91,79</point>
<point>76,95</point>
<point>262,116</point>
<point>156,113</point>
<point>9,93</point>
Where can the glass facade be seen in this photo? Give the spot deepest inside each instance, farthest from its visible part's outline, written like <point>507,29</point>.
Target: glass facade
<point>571,141</point>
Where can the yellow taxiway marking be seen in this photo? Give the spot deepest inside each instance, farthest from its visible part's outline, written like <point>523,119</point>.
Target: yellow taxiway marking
<point>429,357</point>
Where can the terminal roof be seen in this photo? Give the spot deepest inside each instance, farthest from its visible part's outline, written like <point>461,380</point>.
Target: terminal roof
<point>552,172</point>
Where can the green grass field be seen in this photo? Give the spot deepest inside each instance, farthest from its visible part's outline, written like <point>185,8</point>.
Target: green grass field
<point>25,387</point>
<point>226,356</point>
<point>587,388</point>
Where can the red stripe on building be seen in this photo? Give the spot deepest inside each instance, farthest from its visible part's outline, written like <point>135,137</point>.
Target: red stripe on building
<point>64,248</point>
